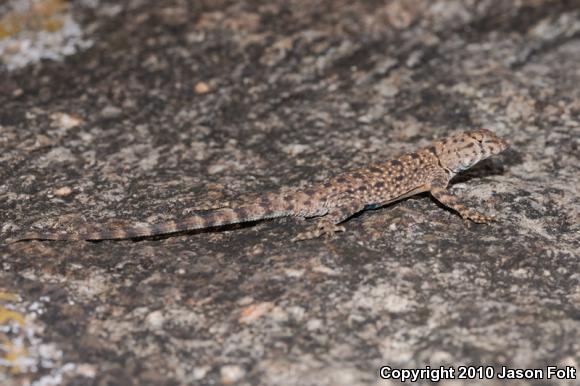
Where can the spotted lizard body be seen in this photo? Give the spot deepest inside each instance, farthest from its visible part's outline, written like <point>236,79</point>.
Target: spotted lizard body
<point>427,170</point>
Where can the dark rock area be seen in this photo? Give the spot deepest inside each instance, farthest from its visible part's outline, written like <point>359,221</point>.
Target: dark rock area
<point>181,105</point>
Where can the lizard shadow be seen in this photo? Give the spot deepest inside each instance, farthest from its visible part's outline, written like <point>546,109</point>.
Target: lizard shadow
<point>488,167</point>
<point>192,232</point>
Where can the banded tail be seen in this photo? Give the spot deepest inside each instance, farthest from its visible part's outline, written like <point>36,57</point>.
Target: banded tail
<point>199,221</point>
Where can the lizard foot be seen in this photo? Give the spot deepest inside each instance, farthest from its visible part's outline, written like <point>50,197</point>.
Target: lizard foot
<point>327,229</point>
<point>478,217</point>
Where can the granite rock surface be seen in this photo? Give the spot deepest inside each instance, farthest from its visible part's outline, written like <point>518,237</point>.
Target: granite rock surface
<point>172,106</point>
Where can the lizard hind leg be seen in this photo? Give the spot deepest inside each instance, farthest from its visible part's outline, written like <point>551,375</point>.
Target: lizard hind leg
<point>329,225</point>
<point>323,227</point>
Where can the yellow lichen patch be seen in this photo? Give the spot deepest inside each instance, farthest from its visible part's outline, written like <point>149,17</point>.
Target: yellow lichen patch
<point>42,15</point>
<point>33,30</point>
<point>11,354</point>
<point>8,315</point>
<point>8,297</point>
<point>12,348</point>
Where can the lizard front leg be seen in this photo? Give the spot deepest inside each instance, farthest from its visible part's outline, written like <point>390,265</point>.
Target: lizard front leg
<point>439,191</point>
<point>328,225</point>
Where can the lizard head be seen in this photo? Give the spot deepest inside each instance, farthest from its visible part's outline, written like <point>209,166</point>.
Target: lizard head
<point>461,151</point>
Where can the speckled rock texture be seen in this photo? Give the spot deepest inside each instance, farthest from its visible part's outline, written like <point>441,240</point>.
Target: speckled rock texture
<point>181,105</point>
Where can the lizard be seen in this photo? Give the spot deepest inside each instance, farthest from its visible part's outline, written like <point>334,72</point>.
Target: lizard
<point>335,200</point>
